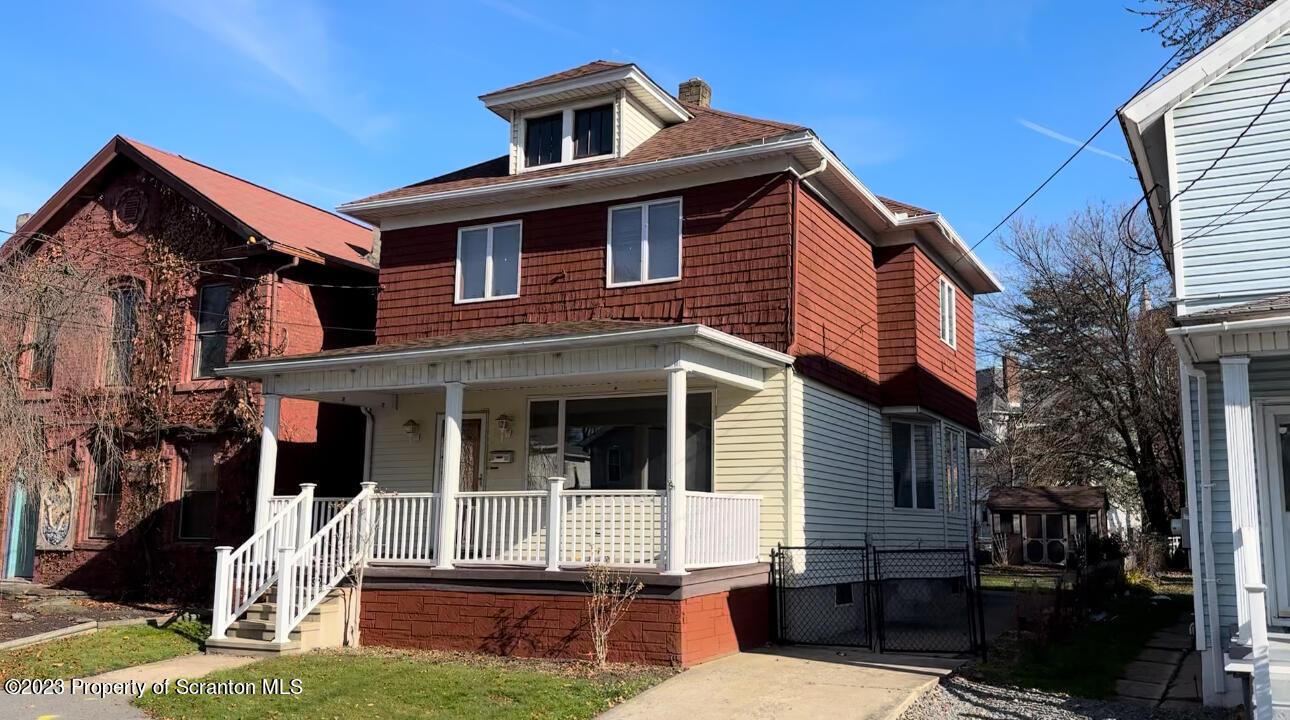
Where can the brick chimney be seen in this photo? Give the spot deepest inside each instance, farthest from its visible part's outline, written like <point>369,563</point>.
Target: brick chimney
<point>22,220</point>
<point>696,92</point>
<point>1011,380</point>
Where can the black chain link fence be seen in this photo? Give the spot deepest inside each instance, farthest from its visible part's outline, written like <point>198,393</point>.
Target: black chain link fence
<point>924,600</point>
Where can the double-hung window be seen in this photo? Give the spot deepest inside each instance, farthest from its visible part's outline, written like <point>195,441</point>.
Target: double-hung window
<point>211,346</point>
<point>644,242</point>
<point>488,262</point>
<point>125,323</point>
<point>197,502</point>
<point>911,466</point>
<point>955,458</point>
<point>106,501</point>
<point>43,352</point>
<point>949,321</point>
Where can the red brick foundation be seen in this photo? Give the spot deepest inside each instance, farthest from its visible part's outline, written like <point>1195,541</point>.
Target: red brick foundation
<point>655,631</point>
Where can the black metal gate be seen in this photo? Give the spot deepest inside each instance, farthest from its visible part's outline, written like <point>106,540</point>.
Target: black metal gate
<point>924,600</point>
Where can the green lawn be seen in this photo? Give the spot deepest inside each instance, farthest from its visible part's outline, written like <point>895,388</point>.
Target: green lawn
<point>1087,662</point>
<point>393,684</point>
<point>101,651</point>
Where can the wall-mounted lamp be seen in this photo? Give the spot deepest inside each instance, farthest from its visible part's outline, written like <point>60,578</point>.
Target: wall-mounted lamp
<point>504,425</point>
<point>413,430</point>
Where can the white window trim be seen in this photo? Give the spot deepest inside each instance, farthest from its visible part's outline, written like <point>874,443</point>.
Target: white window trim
<point>949,312</point>
<point>913,465</point>
<point>609,243</point>
<point>488,264</point>
<point>566,134</point>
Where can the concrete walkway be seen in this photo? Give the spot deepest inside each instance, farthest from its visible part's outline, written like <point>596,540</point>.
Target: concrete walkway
<point>113,707</point>
<point>1164,672</point>
<point>796,682</point>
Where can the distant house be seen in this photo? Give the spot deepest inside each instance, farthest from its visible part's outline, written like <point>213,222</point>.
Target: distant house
<point>1044,525</point>
<point>1211,145</point>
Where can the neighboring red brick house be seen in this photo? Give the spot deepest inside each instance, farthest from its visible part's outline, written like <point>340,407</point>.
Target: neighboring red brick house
<point>701,323</point>
<point>254,272</point>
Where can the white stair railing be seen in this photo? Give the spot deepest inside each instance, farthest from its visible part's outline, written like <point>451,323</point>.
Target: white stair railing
<point>242,575</point>
<point>311,571</point>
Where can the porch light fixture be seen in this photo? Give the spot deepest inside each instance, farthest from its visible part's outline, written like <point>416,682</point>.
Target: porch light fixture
<point>413,430</point>
<point>504,425</point>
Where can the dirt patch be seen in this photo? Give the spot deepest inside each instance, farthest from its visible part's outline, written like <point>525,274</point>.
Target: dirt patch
<point>29,615</point>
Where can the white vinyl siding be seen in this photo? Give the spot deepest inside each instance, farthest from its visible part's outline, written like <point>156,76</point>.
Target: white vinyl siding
<point>638,124</point>
<point>1234,223</point>
<point>488,262</point>
<point>750,452</point>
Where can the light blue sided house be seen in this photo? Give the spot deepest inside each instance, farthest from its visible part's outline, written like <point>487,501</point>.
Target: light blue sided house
<point>1211,142</point>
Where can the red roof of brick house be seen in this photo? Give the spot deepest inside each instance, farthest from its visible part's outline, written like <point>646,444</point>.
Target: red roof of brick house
<point>283,223</point>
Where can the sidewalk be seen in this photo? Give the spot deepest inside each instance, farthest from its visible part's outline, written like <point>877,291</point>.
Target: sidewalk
<point>1165,672</point>
<point>795,682</point>
<point>114,707</point>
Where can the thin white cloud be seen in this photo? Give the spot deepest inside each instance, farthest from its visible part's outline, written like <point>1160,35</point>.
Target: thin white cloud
<point>525,16</point>
<point>1048,132</point>
<point>291,43</point>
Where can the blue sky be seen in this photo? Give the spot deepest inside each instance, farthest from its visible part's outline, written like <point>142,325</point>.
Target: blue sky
<point>954,105</point>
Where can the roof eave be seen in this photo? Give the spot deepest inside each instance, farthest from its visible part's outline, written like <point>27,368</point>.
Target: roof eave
<point>501,101</point>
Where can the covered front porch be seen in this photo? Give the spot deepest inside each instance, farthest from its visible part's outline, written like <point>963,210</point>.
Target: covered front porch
<point>544,446</point>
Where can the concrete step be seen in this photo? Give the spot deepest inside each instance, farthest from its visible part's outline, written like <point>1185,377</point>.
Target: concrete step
<point>251,648</point>
<point>269,611</point>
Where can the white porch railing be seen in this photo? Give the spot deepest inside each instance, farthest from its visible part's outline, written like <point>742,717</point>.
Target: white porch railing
<point>615,527</point>
<point>324,508</point>
<point>722,529</point>
<point>244,574</point>
<point>308,573</point>
<point>502,527</point>
<point>406,527</point>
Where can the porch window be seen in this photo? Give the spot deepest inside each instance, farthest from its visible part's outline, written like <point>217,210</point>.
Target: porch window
<point>911,466</point>
<point>211,346</point>
<point>488,262</point>
<point>954,453</point>
<point>197,501</point>
<point>107,492</point>
<point>125,323</point>
<point>645,243</point>
<point>616,443</point>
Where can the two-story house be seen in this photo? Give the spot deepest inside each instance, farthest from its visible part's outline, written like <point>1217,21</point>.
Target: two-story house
<point>150,458</point>
<point>1212,147</point>
<point>651,334</point>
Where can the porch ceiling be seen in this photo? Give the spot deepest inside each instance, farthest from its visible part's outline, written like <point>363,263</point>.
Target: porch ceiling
<point>515,357</point>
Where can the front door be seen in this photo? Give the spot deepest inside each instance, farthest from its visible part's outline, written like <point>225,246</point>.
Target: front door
<point>1275,458</point>
<point>472,452</point>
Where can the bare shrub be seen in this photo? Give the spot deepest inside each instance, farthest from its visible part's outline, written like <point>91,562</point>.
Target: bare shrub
<point>610,595</point>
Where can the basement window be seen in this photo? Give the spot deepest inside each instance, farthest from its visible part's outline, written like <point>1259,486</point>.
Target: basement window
<point>842,594</point>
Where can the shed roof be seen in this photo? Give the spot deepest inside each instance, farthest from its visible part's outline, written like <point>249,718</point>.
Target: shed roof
<point>1047,499</point>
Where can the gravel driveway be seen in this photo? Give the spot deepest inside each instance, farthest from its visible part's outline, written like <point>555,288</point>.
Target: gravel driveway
<point>957,697</point>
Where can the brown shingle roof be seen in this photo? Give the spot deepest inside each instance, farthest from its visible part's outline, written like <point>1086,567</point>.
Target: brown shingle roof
<point>708,130</point>
<point>897,206</point>
<point>505,333</point>
<point>590,68</point>
<point>1047,499</point>
<point>1276,305</point>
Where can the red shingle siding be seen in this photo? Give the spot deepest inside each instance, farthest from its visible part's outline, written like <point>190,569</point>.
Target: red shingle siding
<point>735,269</point>
<point>835,336</point>
<point>917,367</point>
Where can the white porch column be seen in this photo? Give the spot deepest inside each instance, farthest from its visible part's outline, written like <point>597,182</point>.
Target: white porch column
<point>675,472</point>
<point>450,473</point>
<point>268,459</point>
<point>1239,419</point>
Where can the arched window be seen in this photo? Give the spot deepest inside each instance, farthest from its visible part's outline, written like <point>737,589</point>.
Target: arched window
<point>125,325</point>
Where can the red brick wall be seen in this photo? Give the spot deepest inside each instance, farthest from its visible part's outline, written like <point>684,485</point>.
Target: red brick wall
<point>916,366</point>
<point>653,631</point>
<point>835,336</point>
<point>735,269</point>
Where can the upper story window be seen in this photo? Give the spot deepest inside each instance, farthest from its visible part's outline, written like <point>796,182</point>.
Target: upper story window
<point>211,346</point>
<point>911,466</point>
<point>44,342</point>
<point>593,131</point>
<point>125,323</point>
<point>644,243</point>
<point>949,316</point>
<point>488,262</point>
<point>543,137</point>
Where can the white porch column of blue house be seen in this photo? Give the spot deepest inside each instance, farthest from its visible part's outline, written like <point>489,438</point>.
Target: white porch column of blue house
<point>1239,421</point>
<point>264,479</point>
<point>450,473</point>
<point>676,529</point>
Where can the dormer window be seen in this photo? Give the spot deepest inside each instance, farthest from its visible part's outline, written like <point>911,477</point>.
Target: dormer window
<point>542,140</point>
<point>593,131</point>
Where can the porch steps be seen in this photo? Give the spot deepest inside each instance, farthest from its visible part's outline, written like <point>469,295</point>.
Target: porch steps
<point>252,635</point>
